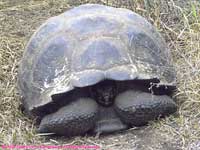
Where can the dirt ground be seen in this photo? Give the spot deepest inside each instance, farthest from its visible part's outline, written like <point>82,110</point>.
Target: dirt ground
<point>179,23</point>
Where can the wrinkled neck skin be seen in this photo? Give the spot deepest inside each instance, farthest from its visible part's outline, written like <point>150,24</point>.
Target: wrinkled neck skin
<point>104,92</point>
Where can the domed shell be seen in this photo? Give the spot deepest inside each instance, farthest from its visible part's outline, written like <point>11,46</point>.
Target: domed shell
<point>86,45</point>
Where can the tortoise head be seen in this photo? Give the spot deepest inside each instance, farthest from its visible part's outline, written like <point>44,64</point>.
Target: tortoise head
<point>104,92</point>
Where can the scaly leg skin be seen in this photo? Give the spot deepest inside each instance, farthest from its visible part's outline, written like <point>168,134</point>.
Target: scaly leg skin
<point>137,108</point>
<point>74,119</point>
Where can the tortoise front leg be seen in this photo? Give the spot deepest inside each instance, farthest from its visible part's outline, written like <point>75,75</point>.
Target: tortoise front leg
<point>73,119</point>
<point>137,108</point>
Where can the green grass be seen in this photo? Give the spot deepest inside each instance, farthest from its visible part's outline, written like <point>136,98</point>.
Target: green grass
<point>179,23</point>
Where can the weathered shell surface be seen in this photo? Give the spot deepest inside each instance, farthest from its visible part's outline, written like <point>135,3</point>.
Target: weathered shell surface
<point>88,44</point>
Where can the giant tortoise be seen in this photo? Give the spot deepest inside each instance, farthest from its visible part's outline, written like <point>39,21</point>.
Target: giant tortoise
<point>96,69</point>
